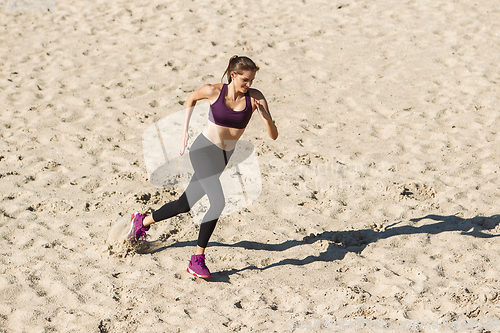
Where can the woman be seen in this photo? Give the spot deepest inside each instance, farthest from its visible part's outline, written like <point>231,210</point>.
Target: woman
<point>231,107</point>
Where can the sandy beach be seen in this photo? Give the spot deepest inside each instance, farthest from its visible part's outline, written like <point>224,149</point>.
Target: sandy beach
<point>378,207</point>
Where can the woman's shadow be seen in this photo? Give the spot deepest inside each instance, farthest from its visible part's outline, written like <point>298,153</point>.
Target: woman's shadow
<point>342,242</point>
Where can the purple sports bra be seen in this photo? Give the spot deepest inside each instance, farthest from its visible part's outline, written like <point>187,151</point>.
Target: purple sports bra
<point>221,115</point>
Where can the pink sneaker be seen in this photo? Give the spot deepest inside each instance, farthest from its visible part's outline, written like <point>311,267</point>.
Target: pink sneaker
<point>197,266</point>
<point>137,229</point>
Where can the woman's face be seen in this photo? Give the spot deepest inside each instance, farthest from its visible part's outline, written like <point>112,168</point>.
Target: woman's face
<point>243,81</point>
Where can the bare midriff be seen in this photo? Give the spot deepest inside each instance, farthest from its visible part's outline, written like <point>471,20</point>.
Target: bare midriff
<point>223,137</point>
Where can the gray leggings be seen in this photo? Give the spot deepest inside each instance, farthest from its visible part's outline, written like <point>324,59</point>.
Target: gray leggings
<point>208,161</point>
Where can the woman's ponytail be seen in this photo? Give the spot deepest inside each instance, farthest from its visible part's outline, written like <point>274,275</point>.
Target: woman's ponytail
<point>238,65</point>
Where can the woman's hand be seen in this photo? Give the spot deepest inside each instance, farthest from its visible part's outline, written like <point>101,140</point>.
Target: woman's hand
<point>266,117</point>
<point>262,110</point>
<point>184,142</point>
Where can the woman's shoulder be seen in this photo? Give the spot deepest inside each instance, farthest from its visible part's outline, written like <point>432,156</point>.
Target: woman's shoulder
<point>255,93</point>
<point>210,90</point>
<point>212,87</point>
<point>217,86</point>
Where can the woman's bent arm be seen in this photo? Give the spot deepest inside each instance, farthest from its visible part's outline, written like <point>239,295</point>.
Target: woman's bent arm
<point>263,109</point>
<point>205,92</point>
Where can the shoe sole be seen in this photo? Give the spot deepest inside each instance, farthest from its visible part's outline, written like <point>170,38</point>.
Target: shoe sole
<point>190,271</point>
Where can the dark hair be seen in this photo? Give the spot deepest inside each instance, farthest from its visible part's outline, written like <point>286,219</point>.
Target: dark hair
<point>238,65</point>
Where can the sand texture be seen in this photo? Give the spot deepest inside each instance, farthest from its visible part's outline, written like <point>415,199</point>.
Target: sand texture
<point>379,199</point>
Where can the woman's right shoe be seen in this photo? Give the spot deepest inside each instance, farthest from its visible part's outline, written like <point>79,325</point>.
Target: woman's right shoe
<point>197,267</point>
<point>137,229</point>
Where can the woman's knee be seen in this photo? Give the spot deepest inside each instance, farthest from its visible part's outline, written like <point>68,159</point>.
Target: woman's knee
<point>183,204</point>
<point>217,206</point>
<point>184,207</point>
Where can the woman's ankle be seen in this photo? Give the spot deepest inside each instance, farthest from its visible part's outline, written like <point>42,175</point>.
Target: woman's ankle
<point>148,220</point>
<point>199,250</point>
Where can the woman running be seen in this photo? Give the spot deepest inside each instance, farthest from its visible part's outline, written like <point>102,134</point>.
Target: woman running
<point>231,107</point>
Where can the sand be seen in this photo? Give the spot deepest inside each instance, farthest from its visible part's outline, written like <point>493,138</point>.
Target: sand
<point>379,200</point>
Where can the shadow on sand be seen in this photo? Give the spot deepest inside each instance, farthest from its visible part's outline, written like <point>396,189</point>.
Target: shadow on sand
<point>342,242</point>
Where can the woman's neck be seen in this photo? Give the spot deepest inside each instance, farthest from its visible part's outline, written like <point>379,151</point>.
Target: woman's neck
<point>232,94</point>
